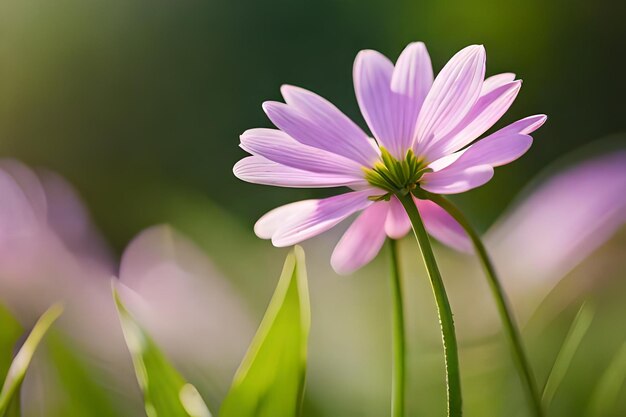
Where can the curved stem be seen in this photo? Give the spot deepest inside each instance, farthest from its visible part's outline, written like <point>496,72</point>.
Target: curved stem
<point>450,348</point>
<point>504,308</point>
<point>399,343</point>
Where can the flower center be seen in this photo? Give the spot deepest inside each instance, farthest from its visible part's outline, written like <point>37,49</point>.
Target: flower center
<point>396,176</point>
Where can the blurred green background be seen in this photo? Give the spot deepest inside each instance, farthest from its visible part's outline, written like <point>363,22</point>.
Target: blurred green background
<point>118,94</point>
<point>139,104</point>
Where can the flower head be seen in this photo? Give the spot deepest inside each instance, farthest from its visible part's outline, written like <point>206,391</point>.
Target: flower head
<point>424,131</point>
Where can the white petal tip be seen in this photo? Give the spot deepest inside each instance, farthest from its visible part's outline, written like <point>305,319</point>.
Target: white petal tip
<point>269,106</point>
<point>340,266</point>
<point>287,89</point>
<point>282,243</point>
<point>261,231</point>
<point>417,45</point>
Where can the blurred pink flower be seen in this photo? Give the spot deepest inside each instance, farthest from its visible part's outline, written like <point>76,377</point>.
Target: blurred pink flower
<point>185,303</point>
<point>574,212</point>
<point>42,225</point>
<point>51,252</point>
<point>429,124</point>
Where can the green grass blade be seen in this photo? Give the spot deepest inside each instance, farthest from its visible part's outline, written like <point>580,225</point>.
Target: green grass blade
<point>15,407</point>
<point>575,335</point>
<point>607,391</point>
<point>270,379</point>
<point>9,335</point>
<point>20,363</point>
<point>81,381</point>
<point>165,391</point>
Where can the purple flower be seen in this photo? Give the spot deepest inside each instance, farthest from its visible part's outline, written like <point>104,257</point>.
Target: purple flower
<point>574,212</point>
<point>425,135</point>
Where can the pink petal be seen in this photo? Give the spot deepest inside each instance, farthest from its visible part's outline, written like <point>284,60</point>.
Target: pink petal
<point>17,217</point>
<point>495,81</point>
<point>445,161</point>
<point>314,121</point>
<point>397,224</point>
<point>390,99</point>
<point>456,179</point>
<point>496,150</point>
<point>72,223</point>
<point>279,147</point>
<point>443,227</point>
<point>173,284</point>
<point>524,126</point>
<point>486,112</point>
<point>319,217</point>
<point>362,241</point>
<point>493,150</point>
<point>258,170</point>
<point>372,84</point>
<point>413,75</point>
<point>562,221</point>
<point>499,148</point>
<point>30,185</point>
<point>453,94</point>
<point>267,225</point>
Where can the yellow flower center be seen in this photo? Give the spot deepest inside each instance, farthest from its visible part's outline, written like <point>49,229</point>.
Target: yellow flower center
<point>398,177</point>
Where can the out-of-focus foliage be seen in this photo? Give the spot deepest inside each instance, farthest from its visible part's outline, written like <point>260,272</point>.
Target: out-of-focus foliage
<point>139,104</point>
<point>11,331</point>
<point>270,381</point>
<point>83,384</point>
<point>10,394</point>
<point>606,394</point>
<point>564,358</point>
<point>117,95</point>
<point>165,392</point>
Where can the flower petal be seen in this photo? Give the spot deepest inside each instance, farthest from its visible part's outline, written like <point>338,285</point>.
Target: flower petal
<point>453,94</point>
<point>397,224</point>
<point>169,282</point>
<point>561,222</point>
<point>71,221</point>
<point>390,98</point>
<point>372,84</point>
<point>485,113</point>
<point>258,170</point>
<point>495,150</point>
<point>456,179</point>
<point>314,121</point>
<point>267,225</point>
<point>312,219</point>
<point>413,75</point>
<point>279,147</point>
<point>362,241</point>
<point>443,227</point>
<point>495,81</point>
<point>30,185</point>
<point>525,126</point>
<point>18,218</point>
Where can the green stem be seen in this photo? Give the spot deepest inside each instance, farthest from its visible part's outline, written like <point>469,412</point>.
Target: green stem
<point>506,313</point>
<point>399,341</point>
<point>450,348</point>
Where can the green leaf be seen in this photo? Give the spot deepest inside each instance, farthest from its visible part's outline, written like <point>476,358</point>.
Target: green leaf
<point>82,382</point>
<point>20,363</point>
<point>165,391</point>
<point>606,393</point>
<point>11,332</point>
<point>563,361</point>
<point>270,379</point>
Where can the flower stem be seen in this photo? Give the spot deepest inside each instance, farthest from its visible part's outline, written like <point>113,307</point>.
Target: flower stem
<point>399,343</point>
<point>453,377</point>
<point>504,308</point>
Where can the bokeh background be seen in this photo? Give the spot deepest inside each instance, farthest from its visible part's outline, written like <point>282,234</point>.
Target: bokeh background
<point>139,105</point>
